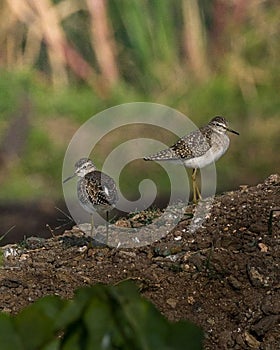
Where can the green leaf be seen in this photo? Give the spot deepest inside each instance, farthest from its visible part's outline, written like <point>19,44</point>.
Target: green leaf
<point>74,337</point>
<point>100,325</point>
<point>185,335</point>
<point>53,345</point>
<point>141,321</point>
<point>9,339</point>
<point>74,309</point>
<point>35,324</point>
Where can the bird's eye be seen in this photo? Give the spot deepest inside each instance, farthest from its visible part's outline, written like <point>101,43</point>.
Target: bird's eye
<point>220,125</point>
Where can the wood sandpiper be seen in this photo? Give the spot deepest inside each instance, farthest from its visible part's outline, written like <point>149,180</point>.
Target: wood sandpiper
<point>198,149</point>
<point>96,190</point>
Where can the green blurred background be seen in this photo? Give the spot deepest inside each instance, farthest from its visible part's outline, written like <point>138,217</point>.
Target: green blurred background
<point>61,62</point>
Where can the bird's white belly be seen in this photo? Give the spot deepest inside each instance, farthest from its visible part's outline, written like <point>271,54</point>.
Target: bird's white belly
<point>212,155</point>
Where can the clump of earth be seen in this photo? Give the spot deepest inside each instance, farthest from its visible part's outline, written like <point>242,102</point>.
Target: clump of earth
<point>224,274</point>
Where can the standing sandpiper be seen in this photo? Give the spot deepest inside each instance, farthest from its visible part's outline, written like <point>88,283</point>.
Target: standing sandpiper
<point>96,190</point>
<point>198,149</point>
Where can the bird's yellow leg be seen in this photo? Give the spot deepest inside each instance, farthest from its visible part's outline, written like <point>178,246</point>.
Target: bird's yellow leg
<point>196,193</point>
<point>194,185</point>
<point>107,226</point>
<point>92,225</point>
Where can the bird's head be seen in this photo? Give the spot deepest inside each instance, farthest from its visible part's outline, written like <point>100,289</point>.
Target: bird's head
<point>220,125</point>
<point>82,167</point>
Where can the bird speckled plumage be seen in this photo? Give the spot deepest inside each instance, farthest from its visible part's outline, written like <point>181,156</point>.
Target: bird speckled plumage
<point>97,191</point>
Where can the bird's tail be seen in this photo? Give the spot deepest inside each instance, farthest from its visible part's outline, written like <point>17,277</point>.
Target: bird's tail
<point>165,154</point>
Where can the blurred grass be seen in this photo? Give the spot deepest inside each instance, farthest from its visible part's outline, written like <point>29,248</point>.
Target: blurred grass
<point>151,46</point>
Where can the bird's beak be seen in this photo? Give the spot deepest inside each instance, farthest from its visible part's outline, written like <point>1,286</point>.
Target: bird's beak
<point>233,131</point>
<point>69,178</point>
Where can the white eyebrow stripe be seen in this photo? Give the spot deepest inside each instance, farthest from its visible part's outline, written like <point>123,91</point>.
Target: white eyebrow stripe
<point>222,125</point>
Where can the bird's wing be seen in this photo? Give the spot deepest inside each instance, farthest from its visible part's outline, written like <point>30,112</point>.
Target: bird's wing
<point>187,147</point>
<point>104,186</point>
<point>194,144</point>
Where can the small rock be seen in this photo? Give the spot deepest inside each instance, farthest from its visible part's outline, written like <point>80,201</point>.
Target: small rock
<point>177,234</point>
<point>173,258</point>
<point>271,304</point>
<point>211,321</point>
<point>256,278</point>
<point>24,257</point>
<point>240,341</point>
<point>251,341</point>
<point>82,249</point>
<point>167,249</point>
<point>198,261</point>
<point>34,242</point>
<point>226,341</point>
<point>190,300</point>
<point>263,247</point>
<point>172,302</point>
<point>272,179</point>
<point>243,188</point>
<point>177,238</point>
<point>124,253</point>
<point>10,252</point>
<point>265,324</point>
<point>188,268</point>
<point>234,283</point>
<point>10,283</point>
<point>258,228</point>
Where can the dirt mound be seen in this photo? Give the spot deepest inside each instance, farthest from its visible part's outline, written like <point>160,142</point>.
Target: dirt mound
<point>225,276</point>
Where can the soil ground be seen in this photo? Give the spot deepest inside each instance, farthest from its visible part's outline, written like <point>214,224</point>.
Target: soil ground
<point>225,276</point>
